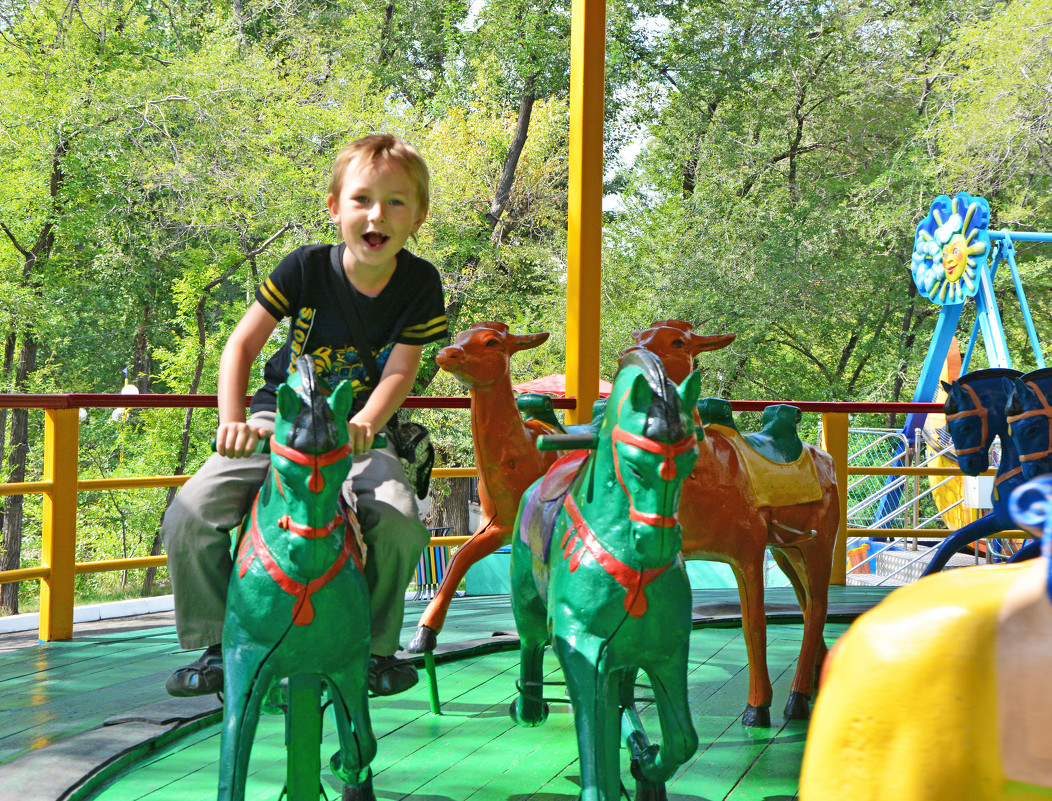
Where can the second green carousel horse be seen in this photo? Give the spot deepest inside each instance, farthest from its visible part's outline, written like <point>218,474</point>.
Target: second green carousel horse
<point>597,572</point>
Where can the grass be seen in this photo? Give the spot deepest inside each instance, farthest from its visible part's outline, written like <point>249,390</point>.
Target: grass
<point>95,592</point>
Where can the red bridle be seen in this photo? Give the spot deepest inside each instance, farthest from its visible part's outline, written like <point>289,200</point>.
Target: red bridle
<point>667,470</point>
<point>315,461</point>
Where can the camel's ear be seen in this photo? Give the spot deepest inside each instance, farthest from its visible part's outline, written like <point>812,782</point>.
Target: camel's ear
<point>700,343</point>
<point>517,342</point>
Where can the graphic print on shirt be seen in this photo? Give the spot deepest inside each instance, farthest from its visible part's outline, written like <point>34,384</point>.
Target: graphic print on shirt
<point>334,365</point>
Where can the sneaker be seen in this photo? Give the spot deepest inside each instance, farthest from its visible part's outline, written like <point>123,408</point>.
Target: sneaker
<point>389,675</point>
<point>201,677</point>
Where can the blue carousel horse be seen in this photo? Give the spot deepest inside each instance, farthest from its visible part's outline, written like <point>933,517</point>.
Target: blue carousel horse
<point>1030,420</point>
<point>597,572</point>
<point>298,604</point>
<point>975,416</point>
<point>1031,508</point>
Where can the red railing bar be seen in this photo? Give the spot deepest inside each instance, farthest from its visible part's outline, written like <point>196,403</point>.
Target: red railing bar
<point>77,400</point>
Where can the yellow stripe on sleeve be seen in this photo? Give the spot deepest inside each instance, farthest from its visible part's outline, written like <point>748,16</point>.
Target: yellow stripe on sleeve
<point>433,326</point>
<point>270,292</point>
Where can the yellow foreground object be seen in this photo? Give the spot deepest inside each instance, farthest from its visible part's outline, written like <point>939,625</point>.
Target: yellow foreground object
<point>940,692</point>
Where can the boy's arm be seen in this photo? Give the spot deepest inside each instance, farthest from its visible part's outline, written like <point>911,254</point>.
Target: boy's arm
<point>395,382</point>
<point>234,437</point>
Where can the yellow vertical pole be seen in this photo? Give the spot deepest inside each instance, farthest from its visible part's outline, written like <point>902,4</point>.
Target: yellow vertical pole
<point>585,204</point>
<point>834,434</point>
<point>61,455</point>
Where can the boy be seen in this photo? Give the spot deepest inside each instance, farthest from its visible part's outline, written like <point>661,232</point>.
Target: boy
<point>378,198</point>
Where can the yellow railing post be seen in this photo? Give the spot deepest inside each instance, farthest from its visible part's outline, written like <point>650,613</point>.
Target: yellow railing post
<point>585,204</point>
<point>59,548</point>
<point>834,432</point>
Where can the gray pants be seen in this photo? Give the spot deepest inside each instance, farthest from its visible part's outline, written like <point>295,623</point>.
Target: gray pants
<point>212,503</point>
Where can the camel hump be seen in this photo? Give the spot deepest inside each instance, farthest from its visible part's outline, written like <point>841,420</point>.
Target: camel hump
<point>538,406</point>
<point>778,440</point>
<point>716,410</point>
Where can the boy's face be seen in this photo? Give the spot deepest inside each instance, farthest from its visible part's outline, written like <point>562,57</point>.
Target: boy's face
<point>377,210</point>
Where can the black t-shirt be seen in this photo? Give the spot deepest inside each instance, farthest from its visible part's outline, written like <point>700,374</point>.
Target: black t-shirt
<point>409,310</point>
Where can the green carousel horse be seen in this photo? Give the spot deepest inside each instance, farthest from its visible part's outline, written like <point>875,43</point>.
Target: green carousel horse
<point>298,604</point>
<point>611,594</point>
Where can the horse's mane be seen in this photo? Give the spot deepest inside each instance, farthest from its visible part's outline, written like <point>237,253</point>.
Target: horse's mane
<point>988,373</point>
<point>976,377</point>
<point>313,429</point>
<point>1040,374</point>
<point>665,416</point>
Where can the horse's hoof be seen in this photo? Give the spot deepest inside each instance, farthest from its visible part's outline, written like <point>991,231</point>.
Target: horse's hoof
<point>521,720</point>
<point>424,640</point>
<point>756,716</point>
<point>360,792</point>
<point>798,707</point>
<point>650,791</point>
<point>647,790</point>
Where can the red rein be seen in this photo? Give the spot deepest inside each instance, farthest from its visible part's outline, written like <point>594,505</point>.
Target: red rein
<point>253,545</point>
<point>667,470</point>
<point>315,461</point>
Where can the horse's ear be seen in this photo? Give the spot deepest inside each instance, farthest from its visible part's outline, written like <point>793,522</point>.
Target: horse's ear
<point>640,395</point>
<point>946,387</point>
<point>288,402</point>
<point>689,391</point>
<point>953,392</point>
<point>342,399</point>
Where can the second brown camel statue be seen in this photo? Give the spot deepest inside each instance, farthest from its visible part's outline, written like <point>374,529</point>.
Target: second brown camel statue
<point>506,452</point>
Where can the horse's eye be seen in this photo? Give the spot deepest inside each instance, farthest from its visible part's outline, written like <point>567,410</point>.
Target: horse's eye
<point>635,472</point>
<point>493,343</point>
<point>677,343</point>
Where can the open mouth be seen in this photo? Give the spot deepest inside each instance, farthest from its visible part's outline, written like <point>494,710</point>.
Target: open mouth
<point>374,240</point>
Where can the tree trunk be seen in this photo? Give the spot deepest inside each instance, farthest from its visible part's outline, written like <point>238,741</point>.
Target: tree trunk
<point>429,370</point>
<point>33,258</point>
<point>386,35</point>
<point>141,368</point>
<point>11,557</point>
<point>511,162</point>
<point>451,507</point>
<point>690,168</point>
<point>9,356</point>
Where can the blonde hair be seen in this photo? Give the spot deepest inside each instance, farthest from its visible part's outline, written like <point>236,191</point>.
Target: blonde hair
<point>384,147</point>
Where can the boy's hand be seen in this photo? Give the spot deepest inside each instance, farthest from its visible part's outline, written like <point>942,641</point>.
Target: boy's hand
<point>360,436</point>
<point>237,440</point>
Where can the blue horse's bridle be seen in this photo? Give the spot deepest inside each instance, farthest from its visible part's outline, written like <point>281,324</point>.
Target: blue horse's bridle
<point>1046,412</point>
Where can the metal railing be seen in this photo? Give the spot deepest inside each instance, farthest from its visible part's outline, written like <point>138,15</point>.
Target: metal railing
<point>909,508</point>
<point>59,484</point>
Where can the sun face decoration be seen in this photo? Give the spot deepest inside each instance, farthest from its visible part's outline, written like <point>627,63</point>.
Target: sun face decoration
<point>950,247</point>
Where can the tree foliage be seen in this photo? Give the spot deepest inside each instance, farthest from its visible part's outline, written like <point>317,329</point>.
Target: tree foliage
<point>769,161</point>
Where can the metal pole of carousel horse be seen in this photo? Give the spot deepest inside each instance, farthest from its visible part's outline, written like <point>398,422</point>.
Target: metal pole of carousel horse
<point>585,201</point>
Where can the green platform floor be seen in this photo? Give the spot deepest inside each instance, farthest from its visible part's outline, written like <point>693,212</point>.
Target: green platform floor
<point>89,718</point>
